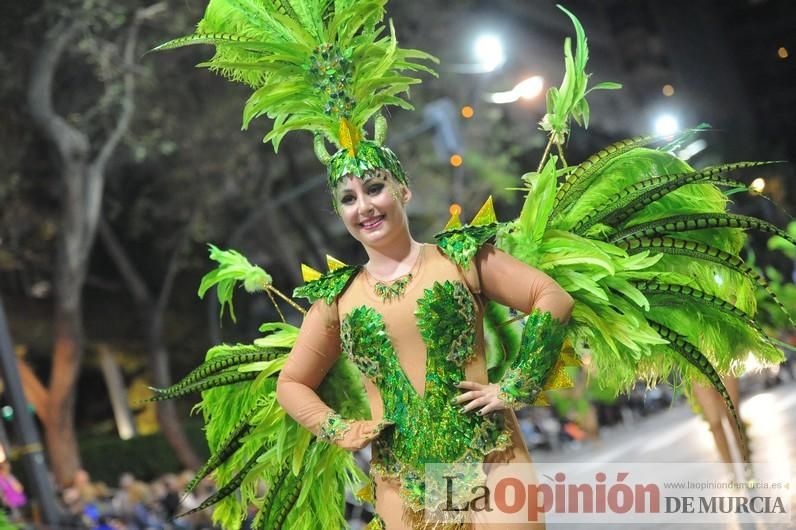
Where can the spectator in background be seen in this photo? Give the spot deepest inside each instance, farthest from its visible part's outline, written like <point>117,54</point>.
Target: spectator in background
<point>12,494</point>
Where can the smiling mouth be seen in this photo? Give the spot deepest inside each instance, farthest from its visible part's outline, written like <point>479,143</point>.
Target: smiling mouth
<point>373,223</point>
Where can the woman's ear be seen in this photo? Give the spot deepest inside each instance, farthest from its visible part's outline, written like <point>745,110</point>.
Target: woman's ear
<point>406,194</point>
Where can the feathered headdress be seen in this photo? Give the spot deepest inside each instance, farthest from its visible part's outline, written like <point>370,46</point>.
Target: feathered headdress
<point>325,66</point>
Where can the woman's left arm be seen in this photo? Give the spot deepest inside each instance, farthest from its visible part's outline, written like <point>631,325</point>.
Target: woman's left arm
<point>515,284</point>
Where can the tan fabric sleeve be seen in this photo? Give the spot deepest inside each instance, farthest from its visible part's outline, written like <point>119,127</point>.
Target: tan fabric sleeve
<point>513,283</point>
<point>315,351</point>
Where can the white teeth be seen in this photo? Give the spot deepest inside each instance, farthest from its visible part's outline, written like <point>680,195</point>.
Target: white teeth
<point>370,224</point>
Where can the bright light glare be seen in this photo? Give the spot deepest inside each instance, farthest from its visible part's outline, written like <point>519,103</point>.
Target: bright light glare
<point>526,89</point>
<point>489,52</point>
<point>666,125</point>
<point>758,185</point>
<point>529,88</point>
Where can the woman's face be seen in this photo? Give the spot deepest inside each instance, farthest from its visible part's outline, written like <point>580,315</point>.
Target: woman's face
<point>373,209</point>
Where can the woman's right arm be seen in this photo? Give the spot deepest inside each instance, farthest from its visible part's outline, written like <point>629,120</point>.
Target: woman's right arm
<point>313,355</point>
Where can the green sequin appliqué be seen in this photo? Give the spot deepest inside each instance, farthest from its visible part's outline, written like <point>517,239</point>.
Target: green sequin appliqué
<point>328,286</point>
<point>428,428</point>
<point>539,350</point>
<point>446,318</point>
<point>369,156</point>
<point>388,291</point>
<point>461,244</point>
<point>333,428</point>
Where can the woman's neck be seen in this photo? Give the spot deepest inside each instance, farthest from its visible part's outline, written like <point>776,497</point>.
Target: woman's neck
<point>394,259</point>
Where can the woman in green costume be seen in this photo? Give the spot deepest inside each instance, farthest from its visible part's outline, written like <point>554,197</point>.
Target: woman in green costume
<point>394,352</point>
<point>410,320</point>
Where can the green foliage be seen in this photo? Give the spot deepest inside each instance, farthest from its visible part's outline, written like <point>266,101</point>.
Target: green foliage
<point>232,268</point>
<point>5,524</point>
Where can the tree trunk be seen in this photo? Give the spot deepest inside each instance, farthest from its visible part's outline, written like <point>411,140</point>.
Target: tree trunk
<point>152,314</point>
<point>82,185</point>
<point>59,416</point>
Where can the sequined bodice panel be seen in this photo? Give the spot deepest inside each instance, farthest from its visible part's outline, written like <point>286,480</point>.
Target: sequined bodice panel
<point>428,426</point>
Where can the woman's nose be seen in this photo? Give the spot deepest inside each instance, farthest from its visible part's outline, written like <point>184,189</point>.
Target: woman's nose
<point>364,205</point>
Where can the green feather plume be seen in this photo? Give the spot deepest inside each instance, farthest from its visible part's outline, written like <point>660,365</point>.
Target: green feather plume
<point>312,64</point>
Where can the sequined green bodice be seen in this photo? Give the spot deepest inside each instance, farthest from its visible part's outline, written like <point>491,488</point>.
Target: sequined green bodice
<point>428,428</point>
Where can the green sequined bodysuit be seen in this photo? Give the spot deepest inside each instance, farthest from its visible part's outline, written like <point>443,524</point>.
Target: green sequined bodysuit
<point>438,313</point>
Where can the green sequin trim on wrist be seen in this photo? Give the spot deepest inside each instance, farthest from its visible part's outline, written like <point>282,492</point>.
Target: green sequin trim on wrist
<point>333,428</point>
<point>517,390</point>
<point>461,244</point>
<point>541,344</point>
<point>327,287</point>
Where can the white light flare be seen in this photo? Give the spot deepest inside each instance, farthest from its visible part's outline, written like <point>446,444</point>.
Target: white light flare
<point>525,89</point>
<point>489,52</point>
<point>666,125</point>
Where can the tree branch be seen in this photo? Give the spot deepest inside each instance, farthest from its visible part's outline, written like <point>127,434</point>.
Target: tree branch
<point>135,282</point>
<point>71,142</point>
<point>168,280</point>
<point>34,390</point>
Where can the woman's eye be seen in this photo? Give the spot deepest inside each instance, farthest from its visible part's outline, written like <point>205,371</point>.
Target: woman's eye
<point>347,199</point>
<point>376,189</point>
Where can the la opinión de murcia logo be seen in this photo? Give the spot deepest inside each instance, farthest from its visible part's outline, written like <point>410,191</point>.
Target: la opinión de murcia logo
<point>510,495</point>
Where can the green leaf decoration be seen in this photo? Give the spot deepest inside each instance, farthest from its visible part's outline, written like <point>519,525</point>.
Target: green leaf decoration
<point>329,286</point>
<point>502,340</point>
<point>461,244</point>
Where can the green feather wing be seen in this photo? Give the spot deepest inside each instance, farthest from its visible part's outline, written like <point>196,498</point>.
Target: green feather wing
<point>617,313</point>
<point>259,455</point>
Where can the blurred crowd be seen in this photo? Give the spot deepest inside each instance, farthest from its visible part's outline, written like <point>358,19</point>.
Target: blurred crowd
<point>132,505</point>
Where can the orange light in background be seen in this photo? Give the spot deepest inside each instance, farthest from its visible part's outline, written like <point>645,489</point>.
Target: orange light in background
<point>455,209</point>
<point>456,160</point>
<point>467,111</point>
<point>782,52</point>
<point>668,90</point>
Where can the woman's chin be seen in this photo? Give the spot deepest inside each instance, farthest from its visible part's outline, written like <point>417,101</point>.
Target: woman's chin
<point>373,237</point>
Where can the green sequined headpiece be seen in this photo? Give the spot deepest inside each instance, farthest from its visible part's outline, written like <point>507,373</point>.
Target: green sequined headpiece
<point>369,156</point>
<point>325,66</point>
